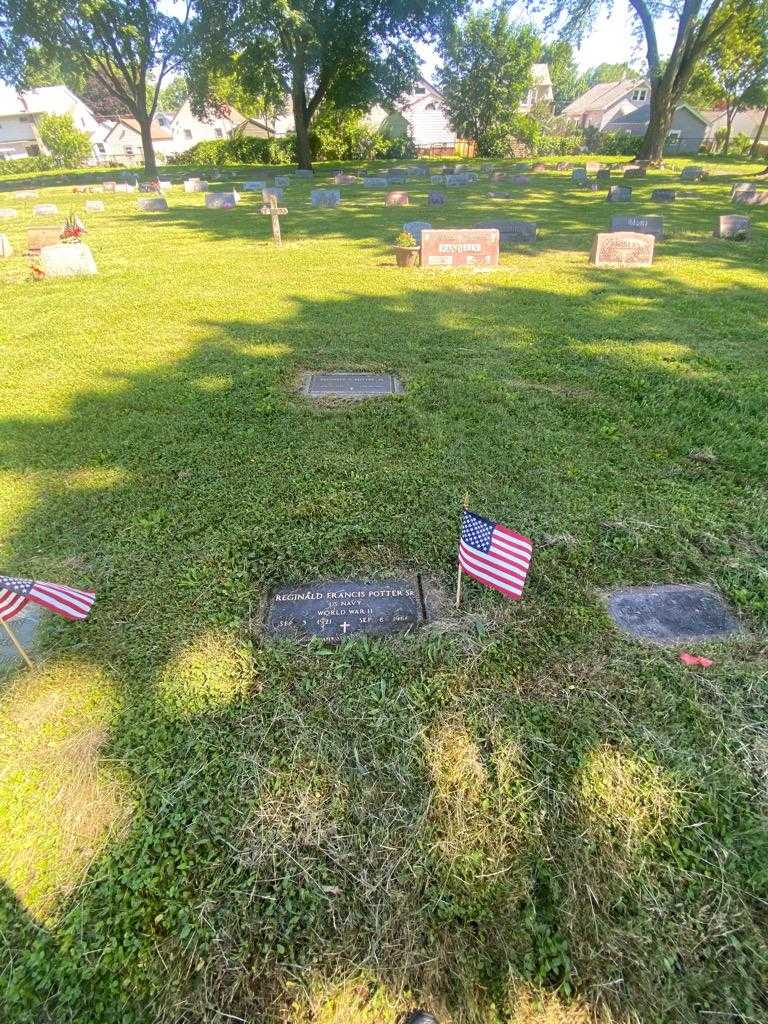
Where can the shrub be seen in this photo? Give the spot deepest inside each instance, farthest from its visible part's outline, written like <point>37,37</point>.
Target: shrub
<point>401,148</point>
<point>25,165</point>
<point>613,143</point>
<point>67,145</point>
<point>240,149</point>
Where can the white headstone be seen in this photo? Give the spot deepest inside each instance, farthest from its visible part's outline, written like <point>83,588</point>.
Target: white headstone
<point>6,249</point>
<point>66,260</point>
<point>157,204</point>
<point>325,197</point>
<point>221,200</point>
<point>94,206</point>
<point>44,209</point>
<point>7,213</point>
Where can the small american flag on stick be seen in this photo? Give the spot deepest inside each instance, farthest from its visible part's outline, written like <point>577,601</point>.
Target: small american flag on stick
<point>68,602</point>
<point>493,555</point>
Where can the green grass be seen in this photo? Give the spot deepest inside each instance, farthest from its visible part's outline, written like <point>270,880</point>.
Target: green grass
<point>516,815</point>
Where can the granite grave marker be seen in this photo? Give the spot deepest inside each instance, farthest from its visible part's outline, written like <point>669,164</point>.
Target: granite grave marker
<point>645,225</point>
<point>342,384</point>
<point>671,613</point>
<point>731,225</point>
<point>474,247</point>
<point>622,249</point>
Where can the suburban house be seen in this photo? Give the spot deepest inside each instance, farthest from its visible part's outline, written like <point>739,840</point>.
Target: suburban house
<point>187,129</point>
<point>119,139</point>
<point>20,114</point>
<point>687,133</point>
<point>267,126</point>
<point>603,102</point>
<point>745,122</point>
<point>540,93</point>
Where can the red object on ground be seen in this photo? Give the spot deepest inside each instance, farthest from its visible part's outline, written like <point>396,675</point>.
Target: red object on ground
<point>695,659</point>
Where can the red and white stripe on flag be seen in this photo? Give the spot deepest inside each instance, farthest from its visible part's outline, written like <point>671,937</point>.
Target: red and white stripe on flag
<point>68,602</point>
<point>494,555</point>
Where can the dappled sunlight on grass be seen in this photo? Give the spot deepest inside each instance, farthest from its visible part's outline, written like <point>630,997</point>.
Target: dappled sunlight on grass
<point>213,671</point>
<point>627,800</point>
<point>59,802</point>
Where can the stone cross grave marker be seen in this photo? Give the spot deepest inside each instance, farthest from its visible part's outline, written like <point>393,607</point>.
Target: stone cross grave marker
<point>622,249</point>
<point>336,609</point>
<point>350,385</point>
<point>730,225</point>
<point>646,225</point>
<point>275,212</point>
<point>470,247</point>
<point>671,613</point>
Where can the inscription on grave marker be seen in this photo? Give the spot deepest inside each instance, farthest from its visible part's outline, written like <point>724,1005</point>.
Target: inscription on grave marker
<point>671,613</point>
<point>649,225</point>
<point>351,385</point>
<point>460,248</point>
<point>622,249</point>
<point>336,609</point>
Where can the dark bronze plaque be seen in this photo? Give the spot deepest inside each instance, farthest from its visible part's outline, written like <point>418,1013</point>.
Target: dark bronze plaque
<point>351,385</point>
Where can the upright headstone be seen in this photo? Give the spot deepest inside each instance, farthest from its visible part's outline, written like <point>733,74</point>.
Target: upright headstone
<point>663,195</point>
<point>742,188</point>
<point>397,199</point>
<point>622,249</point>
<point>578,175</point>
<point>221,200</point>
<point>511,231</point>
<point>732,226</point>
<point>325,197</point>
<point>282,180</point>
<point>94,206</point>
<point>344,179</point>
<point>692,174</point>
<point>755,198</point>
<point>304,175</point>
<point>157,205</point>
<point>635,172</point>
<point>8,213</point>
<point>603,176</point>
<point>66,260</point>
<point>415,228</point>
<point>563,165</point>
<point>521,179</point>
<point>110,186</point>
<point>436,199</point>
<point>272,190</point>
<point>373,181</point>
<point>437,179</point>
<point>6,249</point>
<point>644,225</point>
<point>254,186</point>
<point>195,185</point>
<point>538,168</point>
<point>619,194</point>
<point>165,185</point>
<point>460,248</point>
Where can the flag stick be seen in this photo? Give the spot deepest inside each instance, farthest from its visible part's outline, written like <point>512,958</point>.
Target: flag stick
<point>459,577</point>
<point>16,644</point>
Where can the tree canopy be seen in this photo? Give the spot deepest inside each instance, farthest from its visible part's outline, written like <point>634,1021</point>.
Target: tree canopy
<point>67,145</point>
<point>567,83</point>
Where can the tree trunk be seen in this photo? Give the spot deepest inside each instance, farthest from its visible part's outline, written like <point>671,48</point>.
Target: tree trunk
<point>301,118</point>
<point>661,114</point>
<point>729,115</point>
<point>756,141</point>
<point>150,164</point>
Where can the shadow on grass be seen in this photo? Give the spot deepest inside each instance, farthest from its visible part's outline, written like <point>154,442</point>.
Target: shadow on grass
<point>423,820</point>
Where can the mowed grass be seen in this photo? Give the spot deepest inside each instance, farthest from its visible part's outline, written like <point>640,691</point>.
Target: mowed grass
<point>515,815</point>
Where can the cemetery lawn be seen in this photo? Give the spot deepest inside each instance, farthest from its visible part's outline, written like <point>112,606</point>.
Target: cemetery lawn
<point>514,815</point>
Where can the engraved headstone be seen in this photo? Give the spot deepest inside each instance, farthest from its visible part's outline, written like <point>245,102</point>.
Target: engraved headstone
<point>578,174</point>
<point>672,613</point>
<point>66,260</point>
<point>338,384</point>
<point>6,249</point>
<point>272,190</point>
<point>345,179</point>
<point>619,194</point>
<point>603,176</point>
<point>663,195</point>
<point>635,172</point>
<point>511,231</point>
<point>282,180</point>
<point>396,199</point>
<point>165,185</point>
<point>156,205</point>
<point>741,188</point>
<point>415,227</point>
<point>622,249</point>
<point>437,179</point>
<point>254,186</point>
<point>8,213</point>
<point>436,199</point>
<point>645,225</point>
<point>94,206</point>
<point>520,179</point>
<point>195,185</point>
<point>336,609</point>
<point>374,181</point>
<point>692,174</point>
<point>304,175</point>
<point>325,197</point>
<point>26,193</point>
<point>756,198</point>
<point>221,200</point>
<point>44,209</point>
<point>478,248</point>
<point>731,225</point>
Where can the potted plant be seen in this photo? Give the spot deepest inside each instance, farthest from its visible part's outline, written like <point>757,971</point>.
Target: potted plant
<point>406,249</point>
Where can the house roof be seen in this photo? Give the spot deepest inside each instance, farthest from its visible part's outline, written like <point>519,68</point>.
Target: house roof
<point>158,133</point>
<point>603,96</point>
<point>642,115</point>
<point>745,122</point>
<point>48,99</point>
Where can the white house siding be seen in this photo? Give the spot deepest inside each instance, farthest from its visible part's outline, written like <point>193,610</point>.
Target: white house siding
<point>20,114</point>
<point>188,130</point>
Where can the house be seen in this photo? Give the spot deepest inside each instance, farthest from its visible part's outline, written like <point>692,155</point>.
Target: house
<point>20,114</point>
<point>540,94</point>
<point>687,133</point>
<point>119,140</point>
<point>267,126</point>
<point>745,122</point>
<point>187,129</point>
<point>606,101</point>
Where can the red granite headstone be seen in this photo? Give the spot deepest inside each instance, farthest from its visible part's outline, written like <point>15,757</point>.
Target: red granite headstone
<point>460,248</point>
<point>622,249</point>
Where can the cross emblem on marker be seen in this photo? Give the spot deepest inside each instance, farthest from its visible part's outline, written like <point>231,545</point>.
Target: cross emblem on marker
<point>345,626</point>
<point>275,212</point>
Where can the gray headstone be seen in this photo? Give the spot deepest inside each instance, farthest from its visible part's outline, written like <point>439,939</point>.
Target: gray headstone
<point>635,172</point>
<point>351,385</point>
<point>731,225</point>
<point>415,227</point>
<point>671,613</point>
<point>753,198</point>
<point>742,187</point>
<point>375,182</point>
<point>619,194</point>
<point>325,197</point>
<point>603,175</point>
<point>436,199</point>
<point>272,190</point>
<point>663,195</point>
<point>156,205</point>
<point>511,231</point>
<point>437,179</point>
<point>304,175</point>
<point>650,225</point>
<point>336,609</point>
<point>254,186</point>
<point>692,174</point>
<point>221,200</point>
<point>282,180</point>
<point>578,174</point>
<point>520,179</point>
<point>25,626</point>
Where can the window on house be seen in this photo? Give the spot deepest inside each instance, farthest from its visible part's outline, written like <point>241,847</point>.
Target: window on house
<point>101,147</point>
<point>129,150</point>
<point>431,106</point>
<point>639,95</point>
<point>219,133</point>
<point>419,91</point>
<point>187,133</point>
<point>674,137</point>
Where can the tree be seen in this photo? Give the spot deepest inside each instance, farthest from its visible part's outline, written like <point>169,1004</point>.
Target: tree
<point>127,46</point>
<point>734,71</point>
<point>174,95</point>
<point>697,30</point>
<point>67,145</point>
<point>486,73</point>
<point>41,68</point>
<point>348,53</point>
<point>564,72</point>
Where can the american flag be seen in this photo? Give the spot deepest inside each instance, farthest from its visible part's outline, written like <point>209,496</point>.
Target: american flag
<point>68,602</point>
<point>494,555</point>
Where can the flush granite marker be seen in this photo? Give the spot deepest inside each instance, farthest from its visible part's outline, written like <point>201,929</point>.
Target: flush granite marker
<point>671,613</point>
<point>336,609</point>
<point>350,385</point>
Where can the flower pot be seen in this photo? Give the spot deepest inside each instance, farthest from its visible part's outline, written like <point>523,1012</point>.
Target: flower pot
<point>406,256</point>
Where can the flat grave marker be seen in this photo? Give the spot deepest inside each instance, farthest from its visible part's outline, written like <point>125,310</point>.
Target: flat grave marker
<point>156,205</point>
<point>26,624</point>
<point>44,209</point>
<point>436,199</point>
<point>671,613</point>
<point>8,213</point>
<point>343,384</point>
<point>475,247</point>
<point>511,231</point>
<point>336,609</point>
<point>645,225</point>
<point>94,206</point>
<point>622,249</point>
<point>731,225</point>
